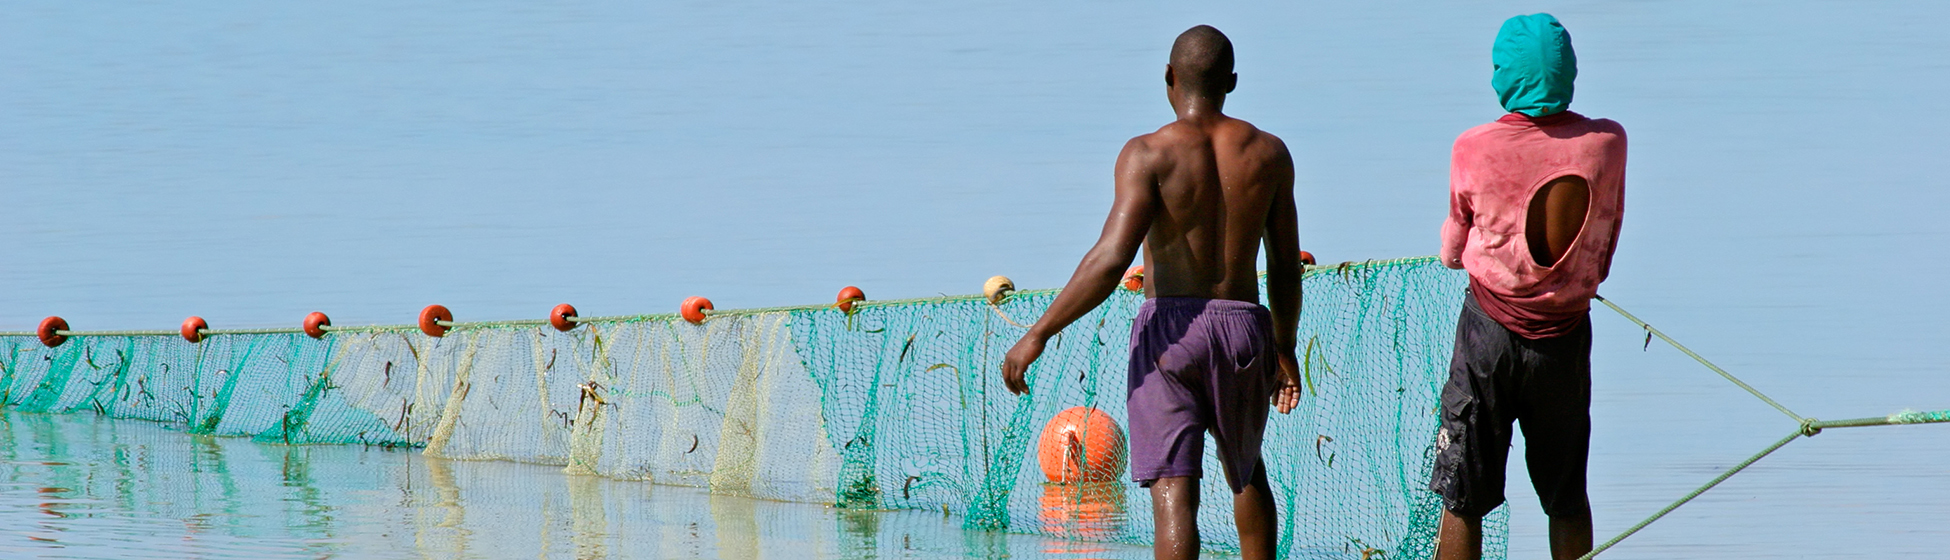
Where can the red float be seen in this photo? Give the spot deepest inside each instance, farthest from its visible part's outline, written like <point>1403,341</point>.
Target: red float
<point>1306,257</point>
<point>694,308</point>
<point>848,296</point>
<point>1081,444</point>
<point>559,317</point>
<point>1134,279</point>
<point>431,317</point>
<point>315,324</point>
<point>50,331</point>
<point>193,328</point>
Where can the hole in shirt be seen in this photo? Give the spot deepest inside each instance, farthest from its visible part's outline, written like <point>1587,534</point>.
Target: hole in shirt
<point>1557,214</point>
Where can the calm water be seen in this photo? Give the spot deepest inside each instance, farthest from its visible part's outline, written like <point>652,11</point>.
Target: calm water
<point>76,486</point>
<point>250,163</point>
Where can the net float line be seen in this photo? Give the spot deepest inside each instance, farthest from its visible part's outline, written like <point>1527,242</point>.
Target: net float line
<point>54,330</point>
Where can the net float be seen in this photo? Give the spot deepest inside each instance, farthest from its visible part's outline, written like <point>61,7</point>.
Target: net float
<point>50,331</point>
<point>997,289</point>
<point>561,316</point>
<point>694,308</point>
<point>848,296</point>
<point>315,324</point>
<point>1134,279</point>
<point>1306,258</point>
<point>431,317</point>
<point>193,328</point>
<point>1081,444</point>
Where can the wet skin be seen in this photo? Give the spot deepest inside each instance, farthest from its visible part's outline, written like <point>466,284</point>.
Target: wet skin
<point>1201,196</point>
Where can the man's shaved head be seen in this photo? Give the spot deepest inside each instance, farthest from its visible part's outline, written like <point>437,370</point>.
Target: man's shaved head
<point>1201,59</point>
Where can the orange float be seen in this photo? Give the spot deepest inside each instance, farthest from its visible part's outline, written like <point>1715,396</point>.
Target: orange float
<point>431,317</point>
<point>1306,257</point>
<point>193,328</point>
<point>848,296</point>
<point>1081,444</point>
<point>315,324</point>
<point>1134,279</point>
<point>50,331</point>
<point>560,317</point>
<point>694,308</point>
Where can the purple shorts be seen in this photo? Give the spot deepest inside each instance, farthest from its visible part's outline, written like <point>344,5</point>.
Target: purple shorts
<point>1196,365</point>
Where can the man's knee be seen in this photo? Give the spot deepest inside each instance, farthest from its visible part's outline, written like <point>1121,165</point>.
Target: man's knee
<point>1175,491</point>
<point>1469,518</point>
<point>1568,501</point>
<point>1569,508</point>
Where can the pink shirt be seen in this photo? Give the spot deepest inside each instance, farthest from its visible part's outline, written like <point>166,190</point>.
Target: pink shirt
<point>1494,171</point>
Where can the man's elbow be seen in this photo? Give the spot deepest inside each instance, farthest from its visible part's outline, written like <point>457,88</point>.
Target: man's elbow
<point>1102,262</point>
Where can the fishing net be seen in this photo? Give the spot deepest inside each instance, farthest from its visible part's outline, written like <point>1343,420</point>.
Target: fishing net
<point>897,405</point>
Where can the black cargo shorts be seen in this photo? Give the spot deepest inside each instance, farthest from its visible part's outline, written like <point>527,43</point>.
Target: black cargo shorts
<point>1497,377</point>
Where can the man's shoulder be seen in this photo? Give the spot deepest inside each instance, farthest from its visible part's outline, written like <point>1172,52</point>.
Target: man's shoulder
<point>1503,129</point>
<point>1608,126</point>
<point>1478,132</point>
<point>1251,140</point>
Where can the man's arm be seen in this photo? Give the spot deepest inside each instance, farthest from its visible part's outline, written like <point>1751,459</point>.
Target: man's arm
<point>1455,229</point>
<point>1130,219</point>
<point>1283,271</point>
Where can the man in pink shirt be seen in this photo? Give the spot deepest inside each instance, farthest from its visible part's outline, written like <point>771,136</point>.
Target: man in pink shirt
<point>1534,205</point>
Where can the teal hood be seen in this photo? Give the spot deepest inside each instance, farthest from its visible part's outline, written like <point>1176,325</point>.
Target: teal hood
<point>1534,65</point>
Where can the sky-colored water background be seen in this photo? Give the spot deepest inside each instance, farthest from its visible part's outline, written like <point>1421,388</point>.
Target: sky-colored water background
<point>250,163</point>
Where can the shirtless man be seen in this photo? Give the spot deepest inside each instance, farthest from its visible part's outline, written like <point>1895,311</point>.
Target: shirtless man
<point>1200,195</point>
<point>1535,200</point>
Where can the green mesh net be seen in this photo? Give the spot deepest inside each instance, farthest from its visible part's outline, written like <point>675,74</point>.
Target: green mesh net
<point>898,405</point>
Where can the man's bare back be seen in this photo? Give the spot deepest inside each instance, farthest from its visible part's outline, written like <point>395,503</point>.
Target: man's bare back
<point>1215,181</point>
<point>1201,196</point>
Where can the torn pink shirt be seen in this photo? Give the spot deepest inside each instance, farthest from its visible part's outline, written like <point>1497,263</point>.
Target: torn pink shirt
<point>1494,171</point>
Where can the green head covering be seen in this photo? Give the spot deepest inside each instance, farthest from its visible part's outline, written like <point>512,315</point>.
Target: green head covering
<point>1534,65</point>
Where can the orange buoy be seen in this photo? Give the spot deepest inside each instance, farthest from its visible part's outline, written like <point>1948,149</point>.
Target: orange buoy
<point>1306,257</point>
<point>559,317</point>
<point>315,324</point>
<point>193,328</point>
<point>50,331</point>
<point>431,317</point>
<point>1134,279</point>
<point>848,296</point>
<point>1081,444</point>
<point>694,308</point>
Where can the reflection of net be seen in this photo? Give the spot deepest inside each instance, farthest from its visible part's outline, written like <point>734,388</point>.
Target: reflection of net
<point>898,405</point>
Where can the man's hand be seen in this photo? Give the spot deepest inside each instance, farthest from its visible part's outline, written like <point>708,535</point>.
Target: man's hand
<point>1287,395</point>
<point>1016,364</point>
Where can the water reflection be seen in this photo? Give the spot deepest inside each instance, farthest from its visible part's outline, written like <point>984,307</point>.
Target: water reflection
<point>81,486</point>
<point>1084,514</point>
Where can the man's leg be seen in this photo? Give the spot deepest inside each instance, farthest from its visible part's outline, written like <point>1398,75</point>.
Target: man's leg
<point>1252,511</point>
<point>1174,513</point>
<point>1473,444</point>
<point>1460,538</point>
<point>1557,435</point>
<point>1571,535</point>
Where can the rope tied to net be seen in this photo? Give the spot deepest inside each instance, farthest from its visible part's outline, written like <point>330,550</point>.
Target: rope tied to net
<point>1701,359</point>
<point>1805,427</point>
